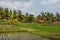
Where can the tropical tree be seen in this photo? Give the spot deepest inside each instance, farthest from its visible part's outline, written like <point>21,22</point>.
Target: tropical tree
<point>20,16</point>
<point>15,14</point>
<point>11,18</point>
<point>31,18</point>
<point>1,13</point>
<point>42,15</point>
<point>6,13</point>
<point>26,18</point>
<point>57,16</point>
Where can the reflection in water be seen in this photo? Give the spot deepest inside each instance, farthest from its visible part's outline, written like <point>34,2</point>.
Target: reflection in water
<point>20,36</point>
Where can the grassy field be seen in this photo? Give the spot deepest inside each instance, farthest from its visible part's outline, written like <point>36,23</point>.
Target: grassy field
<point>45,30</point>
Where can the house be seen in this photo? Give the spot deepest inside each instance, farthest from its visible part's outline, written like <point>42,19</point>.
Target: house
<point>40,21</point>
<point>56,22</point>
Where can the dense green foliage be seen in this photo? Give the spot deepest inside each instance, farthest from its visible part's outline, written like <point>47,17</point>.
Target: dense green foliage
<point>17,16</point>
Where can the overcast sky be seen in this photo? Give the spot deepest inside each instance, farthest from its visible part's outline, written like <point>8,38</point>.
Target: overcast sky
<point>32,6</point>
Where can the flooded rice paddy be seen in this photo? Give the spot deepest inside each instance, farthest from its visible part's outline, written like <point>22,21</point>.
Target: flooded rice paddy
<point>20,36</point>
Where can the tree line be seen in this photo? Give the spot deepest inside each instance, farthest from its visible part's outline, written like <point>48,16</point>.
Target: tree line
<point>17,16</point>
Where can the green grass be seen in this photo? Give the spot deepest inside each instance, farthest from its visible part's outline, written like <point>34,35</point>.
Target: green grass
<point>41,27</point>
<point>45,30</point>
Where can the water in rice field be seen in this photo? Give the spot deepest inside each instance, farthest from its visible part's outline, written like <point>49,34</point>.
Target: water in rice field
<point>20,36</point>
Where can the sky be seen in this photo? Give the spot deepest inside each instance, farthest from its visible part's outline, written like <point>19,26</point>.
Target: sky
<point>32,6</point>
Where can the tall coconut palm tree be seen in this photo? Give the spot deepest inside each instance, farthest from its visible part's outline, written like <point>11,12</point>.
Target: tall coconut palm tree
<point>31,18</point>
<point>42,15</point>
<point>6,13</point>
<point>15,14</point>
<point>26,18</point>
<point>57,16</point>
<point>20,17</point>
<point>1,13</point>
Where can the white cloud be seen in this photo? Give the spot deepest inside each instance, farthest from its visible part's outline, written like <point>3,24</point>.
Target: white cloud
<point>14,0</point>
<point>24,10</point>
<point>27,4</point>
<point>16,5</point>
<point>32,12</point>
<point>7,5</point>
<point>49,2</point>
<point>50,5</point>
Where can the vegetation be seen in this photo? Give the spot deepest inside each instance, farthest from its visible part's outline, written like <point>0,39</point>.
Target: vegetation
<point>17,16</point>
<point>45,24</point>
<point>44,30</point>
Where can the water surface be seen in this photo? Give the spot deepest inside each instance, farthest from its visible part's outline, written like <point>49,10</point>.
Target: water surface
<point>20,36</point>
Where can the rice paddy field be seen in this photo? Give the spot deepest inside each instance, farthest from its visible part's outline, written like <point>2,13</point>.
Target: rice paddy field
<point>29,31</point>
